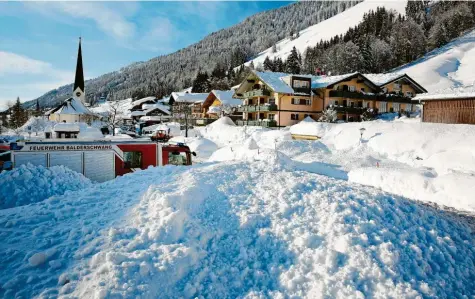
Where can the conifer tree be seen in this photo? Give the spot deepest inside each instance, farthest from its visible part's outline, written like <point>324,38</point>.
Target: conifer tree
<point>268,65</point>
<point>201,83</point>
<point>18,115</point>
<point>293,62</point>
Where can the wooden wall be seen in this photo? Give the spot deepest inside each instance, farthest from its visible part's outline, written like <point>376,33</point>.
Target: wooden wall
<point>461,111</point>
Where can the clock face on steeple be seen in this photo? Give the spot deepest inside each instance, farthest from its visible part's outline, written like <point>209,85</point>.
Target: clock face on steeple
<point>78,94</point>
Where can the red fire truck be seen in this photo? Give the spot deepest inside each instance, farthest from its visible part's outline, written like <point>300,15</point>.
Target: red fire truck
<point>100,160</point>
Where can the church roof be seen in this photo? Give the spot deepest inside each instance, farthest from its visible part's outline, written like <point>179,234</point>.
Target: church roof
<point>71,106</point>
<point>79,79</point>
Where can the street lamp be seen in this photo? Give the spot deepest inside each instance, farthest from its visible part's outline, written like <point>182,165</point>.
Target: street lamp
<point>361,133</point>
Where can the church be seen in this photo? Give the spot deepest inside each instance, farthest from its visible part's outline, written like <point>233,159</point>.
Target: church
<point>74,109</point>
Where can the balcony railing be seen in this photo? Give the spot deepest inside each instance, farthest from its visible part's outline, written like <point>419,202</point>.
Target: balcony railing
<point>352,110</point>
<point>261,123</point>
<point>257,108</point>
<point>367,96</point>
<point>256,93</point>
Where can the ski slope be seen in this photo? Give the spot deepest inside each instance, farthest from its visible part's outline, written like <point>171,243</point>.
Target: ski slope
<point>327,29</point>
<point>450,66</point>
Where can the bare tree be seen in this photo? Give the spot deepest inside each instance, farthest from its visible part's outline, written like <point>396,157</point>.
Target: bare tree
<point>113,117</point>
<point>328,116</point>
<point>182,113</point>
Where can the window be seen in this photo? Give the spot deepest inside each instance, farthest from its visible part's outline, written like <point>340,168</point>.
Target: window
<point>301,84</point>
<point>362,89</point>
<point>132,159</point>
<point>345,103</point>
<point>368,105</point>
<point>409,94</point>
<point>307,102</point>
<point>335,102</point>
<point>360,104</point>
<point>177,158</point>
<point>271,116</point>
<point>294,116</point>
<point>409,107</point>
<point>351,88</point>
<point>261,101</point>
<point>294,101</point>
<point>396,106</point>
<point>272,101</point>
<point>385,89</point>
<point>383,107</point>
<point>397,86</point>
<point>352,104</point>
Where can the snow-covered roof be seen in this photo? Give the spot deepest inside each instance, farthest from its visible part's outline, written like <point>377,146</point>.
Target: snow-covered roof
<point>159,107</point>
<point>71,106</point>
<point>150,107</point>
<point>189,97</point>
<point>226,97</point>
<point>324,81</point>
<point>137,113</point>
<point>66,127</point>
<point>382,79</point>
<point>214,109</point>
<point>447,94</point>
<point>275,81</point>
<point>143,100</point>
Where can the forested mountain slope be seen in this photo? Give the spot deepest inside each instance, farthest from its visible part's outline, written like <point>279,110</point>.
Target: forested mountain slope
<point>230,47</point>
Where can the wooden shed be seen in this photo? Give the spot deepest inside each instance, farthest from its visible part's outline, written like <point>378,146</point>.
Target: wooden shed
<point>448,108</point>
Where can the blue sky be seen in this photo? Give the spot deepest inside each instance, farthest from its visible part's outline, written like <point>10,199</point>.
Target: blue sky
<point>38,40</point>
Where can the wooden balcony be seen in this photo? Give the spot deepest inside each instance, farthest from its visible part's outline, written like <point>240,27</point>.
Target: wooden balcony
<point>260,123</point>
<point>398,98</point>
<point>257,108</point>
<point>256,93</point>
<point>351,110</point>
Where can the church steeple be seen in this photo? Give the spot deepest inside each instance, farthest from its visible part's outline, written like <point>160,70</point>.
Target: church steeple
<point>78,88</point>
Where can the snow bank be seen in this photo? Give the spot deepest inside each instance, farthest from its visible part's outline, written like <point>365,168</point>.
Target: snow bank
<point>203,147</point>
<point>232,230</point>
<point>454,190</point>
<point>90,133</point>
<point>309,127</point>
<point>224,132</point>
<point>29,184</point>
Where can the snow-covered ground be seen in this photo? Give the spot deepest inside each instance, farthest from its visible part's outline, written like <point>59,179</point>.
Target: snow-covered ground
<point>265,216</point>
<point>327,29</point>
<point>233,229</point>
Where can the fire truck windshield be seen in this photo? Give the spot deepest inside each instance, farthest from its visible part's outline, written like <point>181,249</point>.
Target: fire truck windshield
<point>177,158</point>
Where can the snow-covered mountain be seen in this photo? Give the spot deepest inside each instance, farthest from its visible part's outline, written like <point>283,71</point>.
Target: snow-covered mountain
<point>327,29</point>
<point>450,66</point>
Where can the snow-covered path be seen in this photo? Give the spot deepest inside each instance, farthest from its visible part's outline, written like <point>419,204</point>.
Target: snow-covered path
<point>233,229</point>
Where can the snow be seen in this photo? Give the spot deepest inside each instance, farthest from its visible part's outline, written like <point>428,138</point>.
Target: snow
<point>123,107</point>
<point>324,81</point>
<point>226,97</point>
<point>310,127</point>
<point>150,107</point>
<point>72,106</point>
<point>66,127</point>
<point>189,97</point>
<point>234,229</point>
<point>450,66</point>
<point>203,147</point>
<point>327,29</point>
<point>90,133</point>
<point>143,100</point>
<point>450,93</point>
<point>382,79</point>
<point>29,184</point>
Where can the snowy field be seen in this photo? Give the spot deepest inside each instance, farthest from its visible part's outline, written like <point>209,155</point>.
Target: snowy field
<point>262,216</point>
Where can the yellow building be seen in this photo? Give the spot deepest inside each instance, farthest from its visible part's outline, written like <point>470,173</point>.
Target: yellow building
<point>280,99</point>
<point>277,99</point>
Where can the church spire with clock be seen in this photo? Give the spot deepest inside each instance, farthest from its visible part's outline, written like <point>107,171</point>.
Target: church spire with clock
<point>78,89</point>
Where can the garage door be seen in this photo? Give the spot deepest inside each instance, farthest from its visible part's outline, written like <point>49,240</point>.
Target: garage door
<point>33,158</point>
<point>71,160</point>
<point>99,166</point>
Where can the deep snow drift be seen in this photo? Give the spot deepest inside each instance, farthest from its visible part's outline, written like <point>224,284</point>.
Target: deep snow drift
<point>29,184</point>
<point>230,230</point>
